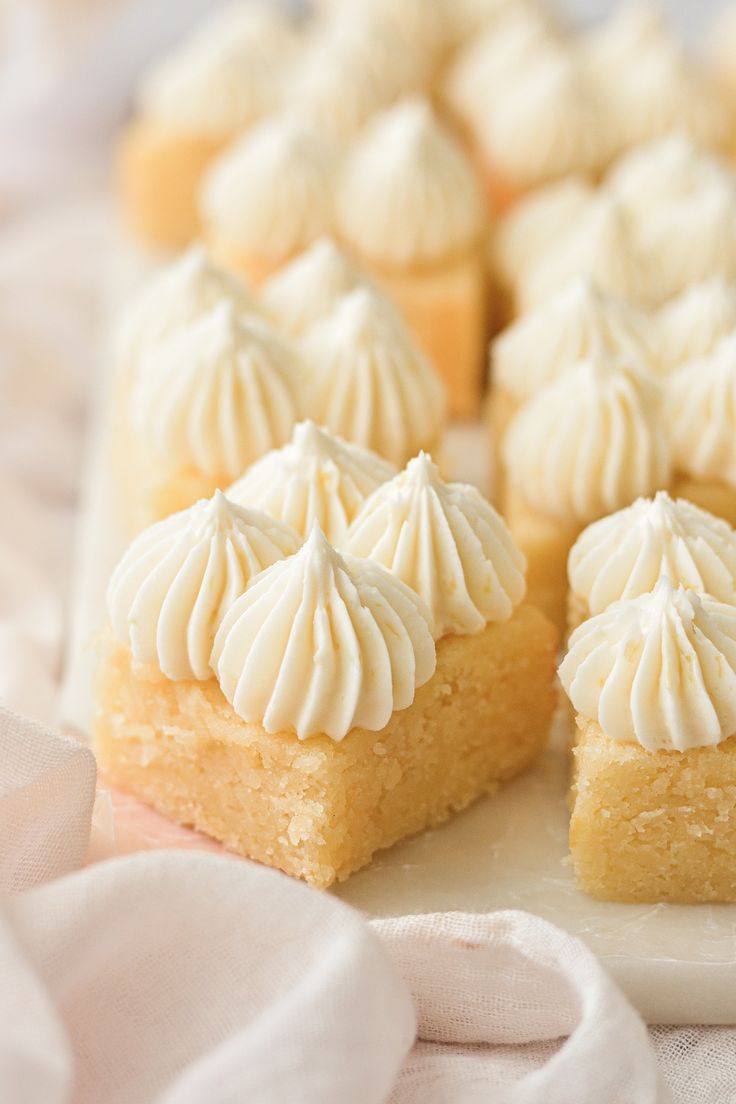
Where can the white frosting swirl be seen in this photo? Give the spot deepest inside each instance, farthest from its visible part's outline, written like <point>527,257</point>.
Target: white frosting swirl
<point>623,555</point>
<point>271,192</point>
<point>700,410</point>
<point>579,322</point>
<point>176,581</point>
<point>691,325</point>
<point>308,288</point>
<point>489,62</point>
<point>376,47</point>
<point>355,66</point>
<point>537,222</point>
<point>681,203</point>
<point>228,74</point>
<point>217,395</point>
<point>544,125</point>
<point>408,195</point>
<point>316,477</point>
<point>690,239</point>
<point>660,171</point>
<point>659,670</point>
<point>649,83</point>
<point>601,247</point>
<point>588,444</point>
<point>368,382</point>
<point>660,90</point>
<point>319,644</point>
<point>447,543</point>
<point>175,296</point>
<point>337,92</point>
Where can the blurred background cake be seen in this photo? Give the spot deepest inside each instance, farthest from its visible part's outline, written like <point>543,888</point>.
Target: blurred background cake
<point>210,88</point>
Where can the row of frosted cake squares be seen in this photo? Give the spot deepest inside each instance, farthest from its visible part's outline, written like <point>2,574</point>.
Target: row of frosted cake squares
<point>592,402</point>
<point>408,210</point>
<point>588,411</point>
<point>660,219</point>
<point>597,396</point>
<point>422,238</point>
<point>308,706</point>
<point>531,101</point>
<point>210,376</point>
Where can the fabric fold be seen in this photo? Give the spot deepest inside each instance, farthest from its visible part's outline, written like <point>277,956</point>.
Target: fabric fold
<point>517,1002</point>
<point>47,790</point>
<point>179,978</point>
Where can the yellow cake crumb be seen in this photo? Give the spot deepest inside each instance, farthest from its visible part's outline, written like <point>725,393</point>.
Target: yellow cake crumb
<point>653,826</point>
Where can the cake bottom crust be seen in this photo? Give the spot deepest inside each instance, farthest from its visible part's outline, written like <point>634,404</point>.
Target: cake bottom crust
<point>653,826</point>
<point>317,809</point>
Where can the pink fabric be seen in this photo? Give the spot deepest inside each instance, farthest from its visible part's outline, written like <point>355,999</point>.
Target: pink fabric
<point>47,788</point>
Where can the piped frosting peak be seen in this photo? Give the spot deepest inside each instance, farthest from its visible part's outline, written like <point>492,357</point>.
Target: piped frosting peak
<point>217,394</point>
<point>590,443</point>
<point>226,75</point>
<point>545,125</point>
<point>179,294</point>
<point>577,323</point>
<point>408,195</point>
<point>272,191</point>
<point>178,578</point>
<point>691,325</point>
<point>315,477</point>
<point>320,644</point>
<point>601,247</point>
<point>307,288</point>
<point>625,554</point>
<point>537,222</point>
<point>368,382</point>
<point>658,670</point>
<point>447,543</point>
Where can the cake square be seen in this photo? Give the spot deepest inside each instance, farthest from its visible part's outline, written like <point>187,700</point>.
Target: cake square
<point>653,826</point>
<point>320,809</point>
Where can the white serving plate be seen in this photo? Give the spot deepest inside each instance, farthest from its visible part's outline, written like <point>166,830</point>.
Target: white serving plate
<point>676,963</point>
